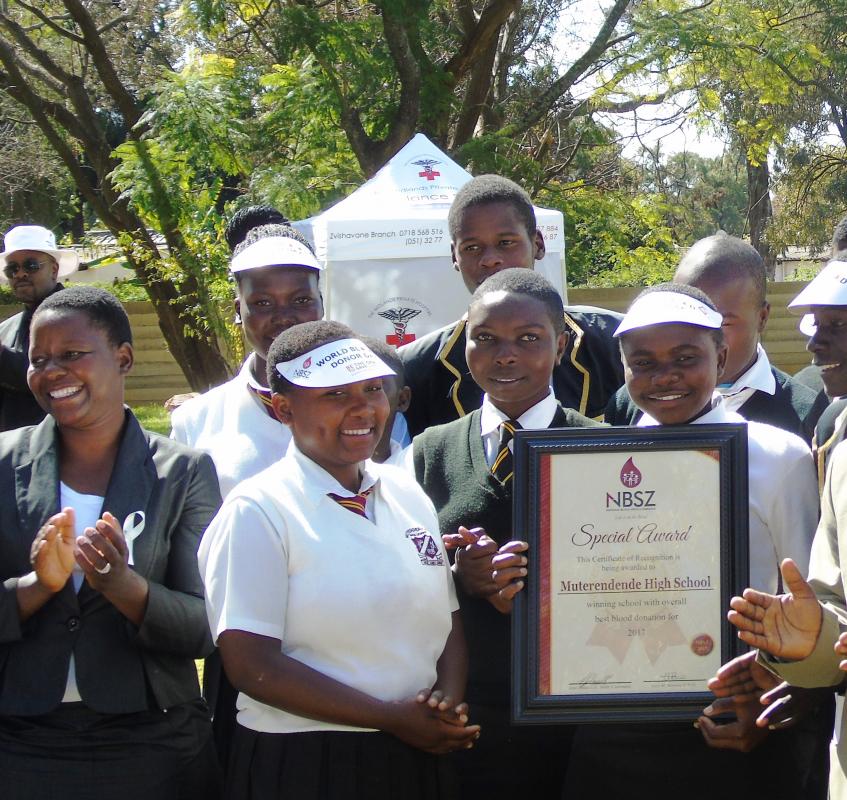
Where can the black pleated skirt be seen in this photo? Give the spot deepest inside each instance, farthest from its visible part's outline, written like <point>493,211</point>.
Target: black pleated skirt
<point>670,761</point>
<point>332,765</point>
<point>74,753</point>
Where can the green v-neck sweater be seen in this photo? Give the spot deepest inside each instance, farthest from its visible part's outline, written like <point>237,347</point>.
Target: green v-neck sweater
<point>450,465</point>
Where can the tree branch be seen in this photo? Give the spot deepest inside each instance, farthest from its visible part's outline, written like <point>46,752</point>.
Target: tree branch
<point>486,30</point>
<point>36,12</point>
<point>95,46</point>
<point>33,50</point>
<point>561,85</point>
<point>466,14</point>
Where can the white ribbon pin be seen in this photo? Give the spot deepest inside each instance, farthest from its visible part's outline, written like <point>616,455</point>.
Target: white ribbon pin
<point>133,526</point>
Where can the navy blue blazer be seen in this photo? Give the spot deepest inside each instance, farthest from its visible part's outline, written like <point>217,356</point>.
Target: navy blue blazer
<point>119,668</point>
<point>443,389</point>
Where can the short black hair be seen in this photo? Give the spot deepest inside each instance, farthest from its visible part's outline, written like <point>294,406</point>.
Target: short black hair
<point>689,291</point>
<point>245,219</point>
<point>388,353</point>
<point>724,258</point>
<point>839,237</point>
<point>516,280</point>
<point>103,309</point>
<point>296,341</point>
<point>484,190</point>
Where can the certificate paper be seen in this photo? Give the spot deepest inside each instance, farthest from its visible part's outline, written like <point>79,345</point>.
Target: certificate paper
<point>633,562</point>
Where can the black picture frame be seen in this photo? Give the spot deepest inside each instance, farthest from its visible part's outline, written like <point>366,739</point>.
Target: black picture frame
<point>530,705</point>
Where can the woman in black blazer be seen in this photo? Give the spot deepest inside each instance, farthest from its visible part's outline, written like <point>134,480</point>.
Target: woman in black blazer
<point>101,608</point>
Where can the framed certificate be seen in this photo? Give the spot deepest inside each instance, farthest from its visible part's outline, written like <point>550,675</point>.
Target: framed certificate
<point>638,540</point>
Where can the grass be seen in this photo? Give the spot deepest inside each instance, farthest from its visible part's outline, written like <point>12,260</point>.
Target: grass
<point>153,417</point>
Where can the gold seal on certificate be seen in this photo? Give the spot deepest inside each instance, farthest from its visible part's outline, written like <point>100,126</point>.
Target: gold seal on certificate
<point>638,538</point>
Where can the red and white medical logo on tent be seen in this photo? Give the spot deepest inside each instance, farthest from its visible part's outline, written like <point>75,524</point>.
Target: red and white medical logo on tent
<point>386,248</point>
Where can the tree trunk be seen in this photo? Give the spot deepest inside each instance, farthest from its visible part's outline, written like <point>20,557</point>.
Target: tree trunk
<point>760,211</point>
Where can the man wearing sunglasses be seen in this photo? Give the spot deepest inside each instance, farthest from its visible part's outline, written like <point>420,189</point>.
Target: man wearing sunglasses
<point>31,265</point>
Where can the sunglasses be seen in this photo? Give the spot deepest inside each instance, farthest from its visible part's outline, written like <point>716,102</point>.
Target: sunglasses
<point>28,265</point>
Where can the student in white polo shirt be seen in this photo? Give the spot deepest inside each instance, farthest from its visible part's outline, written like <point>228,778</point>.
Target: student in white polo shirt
<point>276,276</point>
<point>331,598</point>
<point>674,355</point>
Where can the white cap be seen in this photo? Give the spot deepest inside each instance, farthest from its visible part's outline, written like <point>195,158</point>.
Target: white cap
<point>827,288</point>
<point>34,237</point>
<point>273,251</point>
<point>334,364</point>
<point>660,307</point>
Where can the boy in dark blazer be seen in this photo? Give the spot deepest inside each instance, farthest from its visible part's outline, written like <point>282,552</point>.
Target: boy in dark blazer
<point>516,337</point>
<point>492,227</point>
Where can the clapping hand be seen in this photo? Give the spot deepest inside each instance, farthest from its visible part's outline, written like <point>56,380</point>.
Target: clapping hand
<point>52,551</point>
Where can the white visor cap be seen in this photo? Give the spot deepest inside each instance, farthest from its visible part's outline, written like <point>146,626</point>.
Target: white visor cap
<point>658,308</point>
<point>274,251</point>
<point>334,364</point>
<point>827,288</point>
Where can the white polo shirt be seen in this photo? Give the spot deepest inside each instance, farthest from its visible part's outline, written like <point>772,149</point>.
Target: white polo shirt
<point>783,492</point>
<point>231,425</point>
<point>366,603</point>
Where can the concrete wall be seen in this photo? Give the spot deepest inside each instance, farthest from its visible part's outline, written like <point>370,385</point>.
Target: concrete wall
<point>785,344</point>
<point>156,376</point>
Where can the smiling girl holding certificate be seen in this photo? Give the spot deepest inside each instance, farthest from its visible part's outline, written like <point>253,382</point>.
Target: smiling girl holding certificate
<point>674,354</point>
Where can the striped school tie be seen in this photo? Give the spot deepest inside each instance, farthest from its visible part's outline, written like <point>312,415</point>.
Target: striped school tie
<point>503,467</point>
<point>356,503</point>
<point>264,396</point>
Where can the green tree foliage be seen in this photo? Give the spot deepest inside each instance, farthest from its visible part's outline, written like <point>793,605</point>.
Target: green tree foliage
<point>81,73</point>
<point>703,195</point>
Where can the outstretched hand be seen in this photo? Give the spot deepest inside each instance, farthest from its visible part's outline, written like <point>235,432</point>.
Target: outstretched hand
<point>786,625</point>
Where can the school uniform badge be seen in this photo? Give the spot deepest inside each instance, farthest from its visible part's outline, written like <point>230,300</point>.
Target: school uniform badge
<point>428,551</point>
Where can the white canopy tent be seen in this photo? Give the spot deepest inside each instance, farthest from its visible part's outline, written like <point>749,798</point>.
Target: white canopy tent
<point>386,248</point>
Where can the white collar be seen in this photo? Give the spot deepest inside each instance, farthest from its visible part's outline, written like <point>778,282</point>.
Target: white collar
<point>316,482</point>
<point>717,413</point>
<point>758,378</point>
<point>535,418</point>
<point>247,373</point>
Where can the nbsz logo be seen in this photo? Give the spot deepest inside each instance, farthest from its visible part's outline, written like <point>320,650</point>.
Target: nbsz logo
<point>639,499</point>
<point>630,477</point>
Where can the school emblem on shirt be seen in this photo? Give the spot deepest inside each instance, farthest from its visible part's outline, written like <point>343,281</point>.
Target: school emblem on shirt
<point>428,551</point>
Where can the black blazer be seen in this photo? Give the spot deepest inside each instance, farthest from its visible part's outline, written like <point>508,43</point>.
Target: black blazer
<point>793,407</point>
<point>17,405</point>
<point>443,389</point>
<point>119,668</point>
